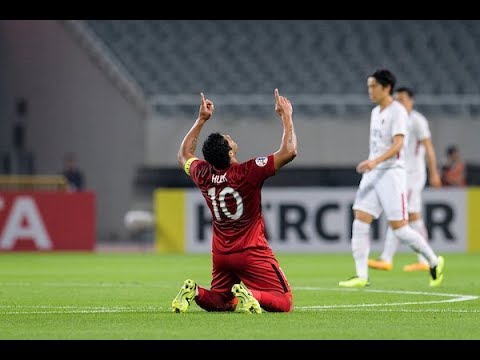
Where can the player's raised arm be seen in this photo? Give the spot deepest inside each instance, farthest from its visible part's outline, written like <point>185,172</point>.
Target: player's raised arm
<point>189,143</point>
<point>288,147</point>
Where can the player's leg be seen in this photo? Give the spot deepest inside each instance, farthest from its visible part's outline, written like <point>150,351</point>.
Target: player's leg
<point>265,280</point>
<point>391,246</point>
<point>391,189</point>
<point>360,249</point>
<point>385,261</point>
<point>210,300</point>
<point>415,241</point>
<point>213,300</point>
<point>417,224</point>
<point>366,207</point>
<point>218,298</point>
<point>416,184</point>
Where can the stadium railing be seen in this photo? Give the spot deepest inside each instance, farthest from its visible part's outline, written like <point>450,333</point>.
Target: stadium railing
<point>33,182</point>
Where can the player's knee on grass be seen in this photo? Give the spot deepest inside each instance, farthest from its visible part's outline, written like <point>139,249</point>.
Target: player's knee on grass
<point>275,301</point>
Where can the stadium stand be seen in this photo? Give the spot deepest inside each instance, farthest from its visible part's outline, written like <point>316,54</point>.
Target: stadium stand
<point>172,57</point>
<point>321,64</point>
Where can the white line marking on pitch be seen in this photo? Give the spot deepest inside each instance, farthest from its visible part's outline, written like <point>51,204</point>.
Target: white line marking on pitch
<point>12,309</point>
<point>456,298</point>
<point>302,308</point>
<point>53,309</point>
<point>79,284</point>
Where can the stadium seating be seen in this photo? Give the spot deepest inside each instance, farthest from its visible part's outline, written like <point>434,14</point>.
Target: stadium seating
<point>169,57</point>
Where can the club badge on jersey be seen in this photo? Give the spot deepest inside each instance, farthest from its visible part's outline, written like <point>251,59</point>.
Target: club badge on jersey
<point>261,161</point>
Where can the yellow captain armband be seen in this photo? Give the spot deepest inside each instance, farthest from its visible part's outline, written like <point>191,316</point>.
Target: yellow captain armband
<point>189,162</point>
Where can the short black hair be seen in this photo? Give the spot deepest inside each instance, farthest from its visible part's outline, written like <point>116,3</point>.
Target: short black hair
<point>407,90</point>
<point>385,77</point>
<point>215,150</point>
<point>452,149</point>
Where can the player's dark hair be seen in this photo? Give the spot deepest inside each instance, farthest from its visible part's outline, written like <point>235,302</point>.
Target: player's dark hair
<point>452,149</point>
<point>215,151</point>
<point>407,90</point>
<point>385,77</point>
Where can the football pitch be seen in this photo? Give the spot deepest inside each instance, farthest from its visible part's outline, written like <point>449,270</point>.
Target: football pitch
<point>116,296</point>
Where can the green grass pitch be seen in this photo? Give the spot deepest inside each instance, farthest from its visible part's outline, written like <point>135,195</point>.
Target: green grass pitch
<point>128,295</point>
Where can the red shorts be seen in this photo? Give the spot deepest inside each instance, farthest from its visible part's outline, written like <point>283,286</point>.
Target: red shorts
<point>257,268</point>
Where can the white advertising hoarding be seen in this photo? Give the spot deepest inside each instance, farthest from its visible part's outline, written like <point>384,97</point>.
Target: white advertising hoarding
<point>319,220</point>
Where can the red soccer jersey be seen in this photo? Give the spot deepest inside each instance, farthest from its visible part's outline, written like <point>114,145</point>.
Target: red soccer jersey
<point>234,198</point>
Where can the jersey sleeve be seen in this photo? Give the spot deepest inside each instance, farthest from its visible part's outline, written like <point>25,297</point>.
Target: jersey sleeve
<point>192,167</point>
<point>423,128</point>
<point>260,169</point>
<point>188,164</point>
<point>399,122</point>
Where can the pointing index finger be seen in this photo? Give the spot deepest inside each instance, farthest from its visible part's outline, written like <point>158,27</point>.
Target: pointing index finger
<point>276,94</point>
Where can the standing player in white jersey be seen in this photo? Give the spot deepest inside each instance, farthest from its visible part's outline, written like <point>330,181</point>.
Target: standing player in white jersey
<point>419,145</point>
<point>383,184</point>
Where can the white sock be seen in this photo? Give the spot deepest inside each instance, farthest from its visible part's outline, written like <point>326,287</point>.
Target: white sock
<point>419,226</point>
<point>390,247</point>
<point>361,247</point>
<point>413,239</point>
